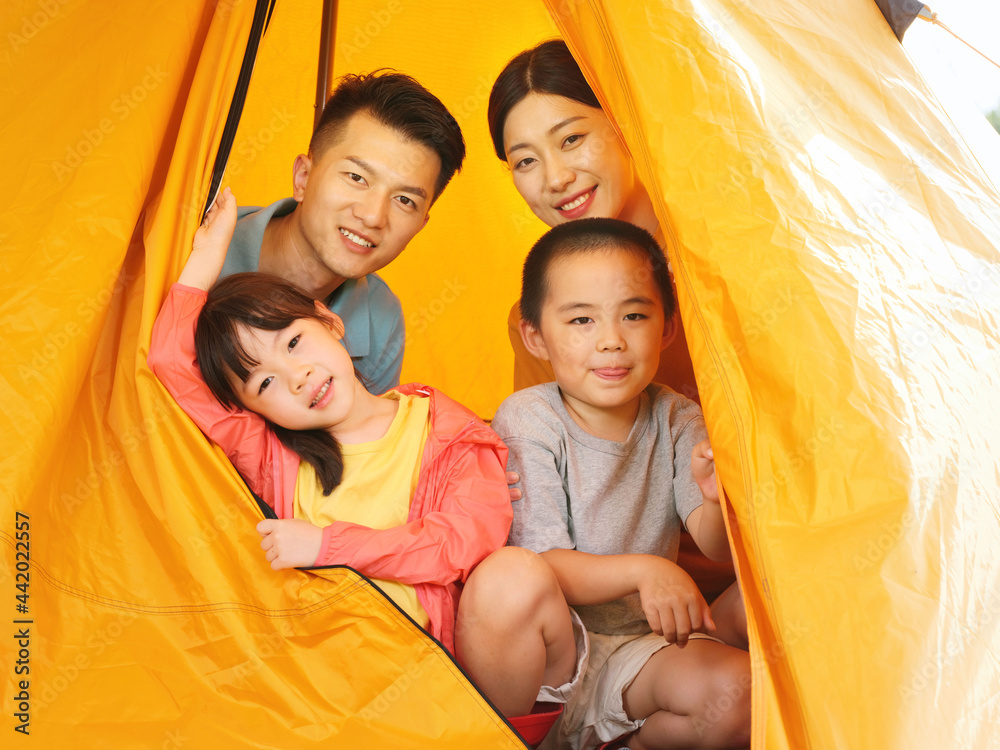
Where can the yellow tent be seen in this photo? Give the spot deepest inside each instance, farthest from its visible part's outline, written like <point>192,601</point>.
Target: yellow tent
<point>835,247</point>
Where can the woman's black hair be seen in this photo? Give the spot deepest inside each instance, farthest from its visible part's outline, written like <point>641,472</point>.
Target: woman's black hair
<point>258,300</point>
<point>548,68</point>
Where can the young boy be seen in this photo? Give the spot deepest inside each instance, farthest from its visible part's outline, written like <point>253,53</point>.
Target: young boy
<point>610,466</point>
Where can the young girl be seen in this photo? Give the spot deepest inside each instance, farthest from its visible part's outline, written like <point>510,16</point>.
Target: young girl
<point>407,488</point>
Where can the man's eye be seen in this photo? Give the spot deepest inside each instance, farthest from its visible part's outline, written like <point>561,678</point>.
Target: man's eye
<point>264,384</point>
<point>356,177</point>
<point>407,201</point>
<point>292,343</point>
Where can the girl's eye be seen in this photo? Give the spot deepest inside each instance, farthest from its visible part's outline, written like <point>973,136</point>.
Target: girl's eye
<point>293,342</point>
<point>635,316</point>
<point>264,384</point>
<point>579,321</point>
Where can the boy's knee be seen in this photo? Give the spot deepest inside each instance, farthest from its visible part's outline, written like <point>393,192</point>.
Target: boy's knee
<point>512,580</point>
<point>726,716</point>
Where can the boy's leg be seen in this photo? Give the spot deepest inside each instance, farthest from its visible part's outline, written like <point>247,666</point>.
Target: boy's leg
<point>730,616</point>
<point>692,697</point>
<point>514,633</point>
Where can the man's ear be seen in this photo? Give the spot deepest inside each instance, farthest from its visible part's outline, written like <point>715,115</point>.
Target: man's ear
<point>670,328</point>
<point>533,340</point>
<point>330,318</point>
<point>300,175</point>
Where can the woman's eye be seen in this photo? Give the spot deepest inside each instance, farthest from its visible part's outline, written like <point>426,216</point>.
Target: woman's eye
<point>293,342</point>
<point>571,139</point>
<point>525,162</point>
<point>264,384</point>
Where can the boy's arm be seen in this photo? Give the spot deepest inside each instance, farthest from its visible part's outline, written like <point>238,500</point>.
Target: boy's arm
<point>670,599</point>
<point>706,523</point>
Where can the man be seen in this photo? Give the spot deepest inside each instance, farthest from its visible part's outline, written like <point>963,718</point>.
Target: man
<point>382,153</point>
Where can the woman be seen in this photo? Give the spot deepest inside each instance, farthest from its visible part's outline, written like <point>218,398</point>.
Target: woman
<point>567,162</point>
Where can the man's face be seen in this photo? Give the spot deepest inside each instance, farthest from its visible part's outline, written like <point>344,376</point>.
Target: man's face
<point>364,198</point>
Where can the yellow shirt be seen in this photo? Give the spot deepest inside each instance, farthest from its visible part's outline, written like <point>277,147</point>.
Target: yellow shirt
<point>380,478</point>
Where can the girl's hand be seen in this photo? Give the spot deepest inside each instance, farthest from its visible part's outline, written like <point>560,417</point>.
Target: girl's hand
<point>211,242</point>
<point>290,542</point>
<point>671,601</point>
<point>703,470</point>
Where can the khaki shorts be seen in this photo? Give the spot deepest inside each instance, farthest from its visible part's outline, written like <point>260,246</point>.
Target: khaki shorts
<point>595,712</point>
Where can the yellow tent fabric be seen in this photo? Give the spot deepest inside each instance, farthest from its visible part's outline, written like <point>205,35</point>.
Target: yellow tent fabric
<point>835,244</point>
<point>148,617</point>
<point>835,247</point>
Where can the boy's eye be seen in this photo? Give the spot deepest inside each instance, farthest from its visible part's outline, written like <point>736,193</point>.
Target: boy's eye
<point>264,384</point>
<point>579,321</point>
<point>293,342</point>
<point>635,316</point>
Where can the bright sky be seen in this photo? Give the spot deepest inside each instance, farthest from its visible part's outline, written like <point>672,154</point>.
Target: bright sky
<point>946,62</point>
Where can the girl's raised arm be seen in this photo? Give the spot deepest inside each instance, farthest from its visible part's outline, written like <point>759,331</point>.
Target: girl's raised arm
<point>211,242</point>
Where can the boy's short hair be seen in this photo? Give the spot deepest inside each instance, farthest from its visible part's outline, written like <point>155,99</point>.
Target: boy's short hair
<point>399,102</point>
<point>588,236</point>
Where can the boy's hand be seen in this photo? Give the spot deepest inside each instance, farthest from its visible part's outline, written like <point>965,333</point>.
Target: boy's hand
<point>211,242</point>
<point>703,470</point>
<point>290,542</point>
<point>671,602</point>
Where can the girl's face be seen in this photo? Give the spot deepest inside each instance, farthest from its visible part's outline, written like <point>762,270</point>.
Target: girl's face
<point>305,378</point>
<point>567,161</point>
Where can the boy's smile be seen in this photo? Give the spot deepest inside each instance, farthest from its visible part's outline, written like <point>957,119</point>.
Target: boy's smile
<point>602,329</point>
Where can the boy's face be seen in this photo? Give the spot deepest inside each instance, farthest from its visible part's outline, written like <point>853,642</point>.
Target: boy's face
<point>602,328</point>
<point>364,198</point>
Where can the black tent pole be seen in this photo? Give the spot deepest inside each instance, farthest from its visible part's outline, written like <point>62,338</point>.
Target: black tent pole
<point>325,73</point>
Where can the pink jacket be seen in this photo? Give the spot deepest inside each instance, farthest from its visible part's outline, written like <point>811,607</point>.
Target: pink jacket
<point>460,511</point>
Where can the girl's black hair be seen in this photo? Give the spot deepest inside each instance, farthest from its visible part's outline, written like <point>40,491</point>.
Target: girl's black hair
<point>258,300</point>
<point>548,68</point>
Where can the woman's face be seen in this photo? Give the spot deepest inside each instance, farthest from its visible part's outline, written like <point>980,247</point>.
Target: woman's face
<point>567,161</point>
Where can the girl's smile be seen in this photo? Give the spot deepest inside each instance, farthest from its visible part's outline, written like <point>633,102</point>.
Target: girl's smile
<point>303,378</point>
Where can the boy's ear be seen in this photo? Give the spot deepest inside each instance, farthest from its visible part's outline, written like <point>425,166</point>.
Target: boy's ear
<point>533,340</point>
<point>300,175</point>
<point>332,320</point>
<point>670,328</point>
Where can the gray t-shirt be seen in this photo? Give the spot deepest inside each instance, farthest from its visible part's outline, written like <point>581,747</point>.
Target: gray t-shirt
<point>599,496</point>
